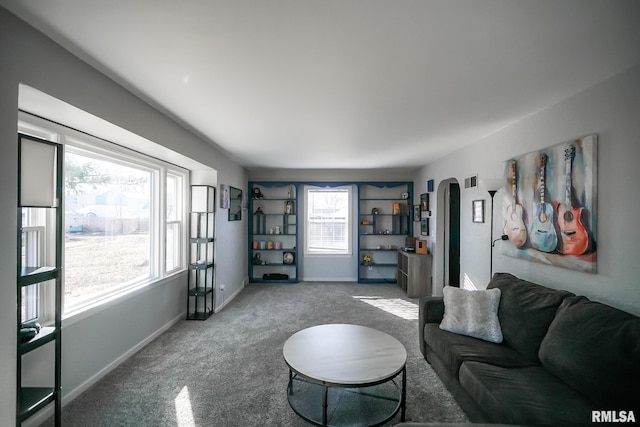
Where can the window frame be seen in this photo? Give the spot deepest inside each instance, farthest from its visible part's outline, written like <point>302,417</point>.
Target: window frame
<point>101,153</point>
<point>348,189</point>
<point>85,144</point>
<point>181,223</point>
<point>33,239</point>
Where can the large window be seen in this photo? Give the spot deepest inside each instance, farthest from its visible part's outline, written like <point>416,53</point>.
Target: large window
<point>175,220</point>
<point>124,220</point>
<point>108,220</point>
<point>328,215</point>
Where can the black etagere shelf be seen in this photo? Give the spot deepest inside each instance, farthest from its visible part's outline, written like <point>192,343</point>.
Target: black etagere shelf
<point>40,185</point>
<point>201,281</point>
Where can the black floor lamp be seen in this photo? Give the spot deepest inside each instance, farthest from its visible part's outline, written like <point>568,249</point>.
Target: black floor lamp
<point>492,186</point>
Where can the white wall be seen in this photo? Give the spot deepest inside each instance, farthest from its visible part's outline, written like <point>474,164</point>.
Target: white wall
<point>610,109</point>
<point>94,344</point>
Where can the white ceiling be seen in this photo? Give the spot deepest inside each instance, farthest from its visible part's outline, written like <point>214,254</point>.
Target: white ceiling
<point>345,83</point>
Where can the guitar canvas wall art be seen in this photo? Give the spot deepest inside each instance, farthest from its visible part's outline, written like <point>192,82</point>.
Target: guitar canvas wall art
<point>549,205</point>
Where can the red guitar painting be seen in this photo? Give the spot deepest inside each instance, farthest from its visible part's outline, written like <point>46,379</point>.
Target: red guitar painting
<point>574,236</point>
<point>543,231</point>
<point>514,226</point>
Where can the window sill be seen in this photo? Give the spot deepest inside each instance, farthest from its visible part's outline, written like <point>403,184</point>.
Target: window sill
<point>109,301</point>
<point>327,255</point>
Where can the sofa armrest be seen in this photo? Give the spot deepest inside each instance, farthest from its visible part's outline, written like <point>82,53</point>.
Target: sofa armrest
<point>430,310</point>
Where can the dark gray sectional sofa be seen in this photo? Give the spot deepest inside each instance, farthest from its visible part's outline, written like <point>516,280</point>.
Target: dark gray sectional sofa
<point>561,358</point>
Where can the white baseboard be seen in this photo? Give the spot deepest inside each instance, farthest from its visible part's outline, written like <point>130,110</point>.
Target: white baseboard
<point>227,300</point>
<point>43,415</point>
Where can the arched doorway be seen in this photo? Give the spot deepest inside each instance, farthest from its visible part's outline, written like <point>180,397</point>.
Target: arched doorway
<point>447,253</point>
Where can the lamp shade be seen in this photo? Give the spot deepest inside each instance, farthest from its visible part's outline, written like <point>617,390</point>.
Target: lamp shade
<point>202,198</point>
<point>492,184</point>
<point>38,177</point>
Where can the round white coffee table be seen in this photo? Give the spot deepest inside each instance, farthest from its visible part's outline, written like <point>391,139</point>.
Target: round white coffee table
<point>342,374</point>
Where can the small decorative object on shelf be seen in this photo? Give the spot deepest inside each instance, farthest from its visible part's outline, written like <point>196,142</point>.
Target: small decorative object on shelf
<point>288,258</point>
<point>367,259</point>
<point>29,330</point>
<point>256,193</point>
<point>288,207</point>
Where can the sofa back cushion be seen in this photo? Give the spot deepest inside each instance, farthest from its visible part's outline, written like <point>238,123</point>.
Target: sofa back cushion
<point>525,312</point>
<point>595,349</point>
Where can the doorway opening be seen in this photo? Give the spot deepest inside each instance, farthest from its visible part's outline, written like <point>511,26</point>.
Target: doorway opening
<point>453,239</point>
<point>447,254</point>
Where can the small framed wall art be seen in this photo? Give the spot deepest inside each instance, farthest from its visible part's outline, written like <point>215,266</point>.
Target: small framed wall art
<point>478,210</point>
<point>430,186</point>
<point>424,226</point>
<point>424,202</point>
<point>224,196</point>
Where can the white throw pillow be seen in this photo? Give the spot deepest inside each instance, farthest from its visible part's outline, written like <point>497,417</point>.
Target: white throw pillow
<point>472,313</point>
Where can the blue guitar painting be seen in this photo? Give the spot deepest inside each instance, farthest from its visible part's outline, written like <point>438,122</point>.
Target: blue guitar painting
<point>542,234</point>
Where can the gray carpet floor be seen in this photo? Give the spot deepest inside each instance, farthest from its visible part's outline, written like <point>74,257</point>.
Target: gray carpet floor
<point>229,369</point>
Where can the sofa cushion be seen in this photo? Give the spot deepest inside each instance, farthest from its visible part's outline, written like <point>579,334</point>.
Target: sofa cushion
<point>453,349</point>
<point>526,311</point>
<point>472,313</point>
<point>431,309</point>
<point>595,348</point>
<point>528,395</point>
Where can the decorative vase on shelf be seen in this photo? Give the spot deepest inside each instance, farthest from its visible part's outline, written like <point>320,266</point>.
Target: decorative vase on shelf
<point>367,259</point>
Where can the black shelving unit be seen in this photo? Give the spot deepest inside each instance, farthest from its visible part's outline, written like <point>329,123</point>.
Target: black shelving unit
<point>40,184</point>
<point>201,290</point>
<point>273,232</point>
<point>384,223</point>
